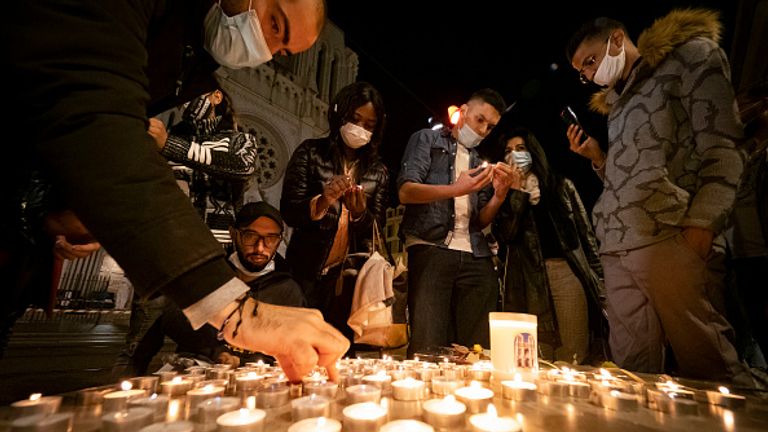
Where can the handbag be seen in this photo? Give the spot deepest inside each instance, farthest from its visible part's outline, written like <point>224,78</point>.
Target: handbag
<point>371,315</point>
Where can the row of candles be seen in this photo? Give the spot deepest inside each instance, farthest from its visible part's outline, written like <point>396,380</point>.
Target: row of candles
<point>374,390</point>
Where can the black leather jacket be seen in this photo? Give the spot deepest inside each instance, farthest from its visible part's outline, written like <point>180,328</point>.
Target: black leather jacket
<point>526,287</point>
<point>308,170</point>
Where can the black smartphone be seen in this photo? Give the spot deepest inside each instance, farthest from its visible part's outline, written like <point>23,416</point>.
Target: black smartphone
<point>569,117</point>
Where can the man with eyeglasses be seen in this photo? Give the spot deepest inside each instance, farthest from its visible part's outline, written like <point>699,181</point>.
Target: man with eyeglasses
<point>669,175</point>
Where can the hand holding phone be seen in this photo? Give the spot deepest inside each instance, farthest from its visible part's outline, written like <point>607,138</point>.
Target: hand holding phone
<point>569,117</point>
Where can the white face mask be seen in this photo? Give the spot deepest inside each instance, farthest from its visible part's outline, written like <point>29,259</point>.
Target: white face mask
<point>468,137</point>
<point>611,67</point>
<point>355,136</point>
<point>520,158</point>
<point>235,42</point>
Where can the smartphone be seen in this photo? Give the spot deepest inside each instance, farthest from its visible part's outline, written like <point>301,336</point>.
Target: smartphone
<point>569,117</point>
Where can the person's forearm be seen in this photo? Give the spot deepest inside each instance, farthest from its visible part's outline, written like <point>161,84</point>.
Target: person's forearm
<point>488,212</point>
<point>418,193</point>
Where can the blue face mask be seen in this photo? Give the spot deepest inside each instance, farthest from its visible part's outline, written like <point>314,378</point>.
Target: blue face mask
<point>520,158</point>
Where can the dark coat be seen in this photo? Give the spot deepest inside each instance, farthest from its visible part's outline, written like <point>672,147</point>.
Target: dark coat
<point>308,170</point>
<point>525,282</point>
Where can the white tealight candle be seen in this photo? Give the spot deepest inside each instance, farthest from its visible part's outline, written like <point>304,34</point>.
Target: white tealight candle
<point>481,371</point>
<point>327,389</point>
<point>316,424</point>
<point>61,422</point>
<point>129,420</point>
<point>36,404</point>
<point>177,386</point>
<point>248,381</point>
<point>443,386</point>
<point>242,420</point>
<point>618,401</point>
<point>310,406</point>
<point>178,426</point>
<point>408,389</point>
<point>363,417</point>
<point>157,403</point>
<point>446,413</point>
<point>380,380</point>
<point>491,422</point>
<point>148,383</point>
<point>196,396</point>
<point>118,400</point>
<point>669,402</point>
<point>363,393</point>
<point>518,390</point>
<point>475,397</point>
<point>273,395</point>
<point>513,345</point>
<point>406,426</point>
<point>724,398</point>
<point>209,410</point>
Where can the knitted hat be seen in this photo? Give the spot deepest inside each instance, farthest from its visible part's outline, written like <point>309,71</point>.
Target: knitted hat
<point>254,210</point>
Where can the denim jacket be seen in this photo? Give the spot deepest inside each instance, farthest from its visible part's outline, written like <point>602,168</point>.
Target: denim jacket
<point>429,159</point>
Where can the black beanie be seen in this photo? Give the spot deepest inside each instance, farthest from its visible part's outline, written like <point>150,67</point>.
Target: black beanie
<point>254,210</point>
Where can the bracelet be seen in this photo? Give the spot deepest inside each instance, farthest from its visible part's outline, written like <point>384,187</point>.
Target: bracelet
<point>241,305</point>
<point>598,168</point>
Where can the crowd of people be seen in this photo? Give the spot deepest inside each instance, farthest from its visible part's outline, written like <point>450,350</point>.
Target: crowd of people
<point>646,272</point>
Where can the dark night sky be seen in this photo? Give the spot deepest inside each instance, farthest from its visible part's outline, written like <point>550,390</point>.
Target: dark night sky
<point>423,60</point>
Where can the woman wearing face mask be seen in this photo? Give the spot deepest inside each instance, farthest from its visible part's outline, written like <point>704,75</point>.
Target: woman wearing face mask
<point>334,188</point>
<point>551,269</point>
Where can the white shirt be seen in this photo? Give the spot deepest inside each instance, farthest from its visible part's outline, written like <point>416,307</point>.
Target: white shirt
<point>460,239</point>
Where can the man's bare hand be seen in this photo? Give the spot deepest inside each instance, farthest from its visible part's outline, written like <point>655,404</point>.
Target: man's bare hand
<point>298,338</point>
<point>158,132</point>
<point>699,239</point>
<point>590,148</point>
<point>472,180</point>
<point>503,175</point>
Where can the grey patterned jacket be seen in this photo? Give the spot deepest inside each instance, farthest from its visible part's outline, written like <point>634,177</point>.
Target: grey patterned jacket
<point>672,158</point>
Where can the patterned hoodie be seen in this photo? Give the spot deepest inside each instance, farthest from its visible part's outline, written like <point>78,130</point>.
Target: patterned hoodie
<point>673,130</point>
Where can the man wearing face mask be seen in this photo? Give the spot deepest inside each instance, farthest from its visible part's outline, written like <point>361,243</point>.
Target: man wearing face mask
<point>335,187</point>
<point>86,74</point>
<point>452,285</point>
<point>670,175</point>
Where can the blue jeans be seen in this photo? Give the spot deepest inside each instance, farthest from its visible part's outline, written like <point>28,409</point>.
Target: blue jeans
<point>450,294</point>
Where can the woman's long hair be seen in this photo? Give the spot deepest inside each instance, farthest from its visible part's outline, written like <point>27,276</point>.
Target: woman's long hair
<point>342,110</point>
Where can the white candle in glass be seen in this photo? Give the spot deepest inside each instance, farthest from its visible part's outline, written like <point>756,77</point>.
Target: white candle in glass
<point>408,389</point>
<point>326,388</point>
<point>148,383</point>
<point>61,422</point>
<point>209,410</point>
<point>481,371</point>
<point>475,397</point>
<point>513,345</point>
<point>118,400</point>
<point>406,426</point>
<point>157,403</point>
<point>363,417</point>
<point>363,393</point>
<point>197,395</point>
<point>380,379</point>
<point>724,398</point>
<point>316,424</point>
<point>129,420</point>
<point>310,406</point>
<point>36,404</point>
<point>443,386</point>
<point>178,426</point>
<point>177,386</point>
<point>618,401</point>
<point>491,422</point>
<point>242,420</point>
<point>273,395</point>
<point>518,390</point>
<point>248,381</point>
<point>446,413</point>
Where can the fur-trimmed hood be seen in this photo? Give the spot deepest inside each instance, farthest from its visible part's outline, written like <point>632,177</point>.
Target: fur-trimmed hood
<point>666,33</point>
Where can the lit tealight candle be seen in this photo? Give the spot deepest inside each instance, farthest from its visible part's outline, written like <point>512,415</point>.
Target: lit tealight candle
<point>619,401</point>
<point>61,422</point>
<point>481,371</point>
<point>209,410</point>
<point>408,389</point>
<point>317,424</point>
<point>248,381</point>
<point>273,395</point>
<point>363,417</point>
<point>118,400</point>
<point>178,386</point>
<point>327,389</point>
<point>36,404</point>
<point>670,402</point>
<point>518,390</point>
<point>242,420</point>
<point>157,403</point>
<point>310,406</point>
<point>380,380</point>
<point>446,413</point>
<point>443,386</point>
<point>576,387</point>
<point>491,422</point>
<point>406,426</point>
<point>129,420</point>
<point>178,426</point>
<point>363,393</point>
<point>724,398</point>
<point>148,383</point>
<point>196,396</point>
<point>475,397</point>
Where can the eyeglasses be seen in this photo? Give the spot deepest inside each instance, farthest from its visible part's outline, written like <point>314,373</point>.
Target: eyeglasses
<point>589,62</point>
<point>252,238</point>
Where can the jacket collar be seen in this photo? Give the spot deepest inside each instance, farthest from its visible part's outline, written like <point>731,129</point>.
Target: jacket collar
<point>657,41</point>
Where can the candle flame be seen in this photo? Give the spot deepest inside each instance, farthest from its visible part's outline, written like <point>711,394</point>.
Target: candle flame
<point>321,421</point>
<point>252,375</point>
<point>173,410</point>
<point>614,393</point>
<point>176,380</point>
<point>724,390</point>
<point>154,396</point>
<point>244,412</point>
<point>518,378</point>
<point>415,358</point>
<point>208,387</point>
<point>492,411</point>
<point>605,374</point>
<point>126,385</point>
<point>671,385</point>
<point>250,403</point>
<point>449,398</point>
<point>385,404</point>
<point>475,384</point>
<point>35,396</point>
<point>728,420</point>
<point>260,363</point>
